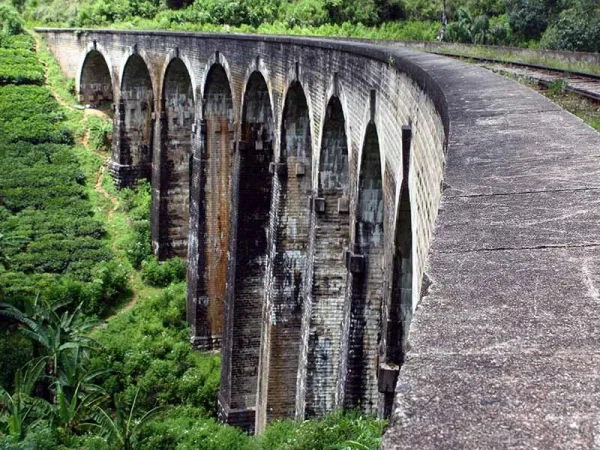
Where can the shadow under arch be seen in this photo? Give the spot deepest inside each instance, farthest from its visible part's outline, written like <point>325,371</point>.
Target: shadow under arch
<point>243,314</point>
<point>135,116</point>
<point>292,187</point>
<point>401,302</point>
<point>95,80</point>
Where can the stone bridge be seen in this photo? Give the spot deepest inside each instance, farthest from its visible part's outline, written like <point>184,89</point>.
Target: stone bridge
<point>302,179</point>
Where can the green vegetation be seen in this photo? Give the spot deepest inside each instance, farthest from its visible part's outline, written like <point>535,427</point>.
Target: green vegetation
<point>72,249</point>
<point>55,246</point>
<point>553,24</point>
<point>507,55</point>
<point>18,64</point>
<point>11,22</point>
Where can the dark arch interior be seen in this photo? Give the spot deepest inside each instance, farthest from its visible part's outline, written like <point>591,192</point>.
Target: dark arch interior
<point>217,94</point>
<point>369,223</point>
<point>333,166</point>
<point>136,108</point>
<point>176,139</point>
<point>95,84</point>
<point>293,189</point>
<point>330,274</point>
<point>254,204</point>
<point>295,133</point>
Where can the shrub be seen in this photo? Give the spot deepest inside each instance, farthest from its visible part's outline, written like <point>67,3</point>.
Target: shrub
<point>163,274</point>
<point>138,245</point>
<point>336,430</point>
<point>148,349</point>
<point>100,133</point>
<point>183,430</point>
<point>11,22</point>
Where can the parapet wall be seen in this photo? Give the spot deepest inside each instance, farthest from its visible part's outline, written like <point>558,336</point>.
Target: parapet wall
<point>318,349</point>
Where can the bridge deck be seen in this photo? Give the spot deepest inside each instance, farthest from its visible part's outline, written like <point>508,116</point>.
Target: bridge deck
<point>504,344</point>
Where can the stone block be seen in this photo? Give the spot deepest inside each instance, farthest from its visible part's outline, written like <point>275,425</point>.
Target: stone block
<point>387,378</point>
<point>355,263</point>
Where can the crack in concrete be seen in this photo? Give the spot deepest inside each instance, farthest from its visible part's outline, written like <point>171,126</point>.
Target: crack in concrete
<point>499,194</point>
<point>535,247</point>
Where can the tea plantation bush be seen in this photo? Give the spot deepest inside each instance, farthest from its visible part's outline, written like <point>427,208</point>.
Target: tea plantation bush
<point>18,66</point>
<point>18,62</point>
<point>54,245</point>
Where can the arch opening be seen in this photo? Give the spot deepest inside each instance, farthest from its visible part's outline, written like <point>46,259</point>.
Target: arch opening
<point>136,130</point>
<point>367,280</point>
<point>332,233</point>
<point>293,186</point>
<point>400,310</point>
<point>177,120</point>
<point>95,82</point>
<point>254,207</point>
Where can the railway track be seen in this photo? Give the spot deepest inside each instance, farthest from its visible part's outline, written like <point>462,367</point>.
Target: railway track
<point>585,84</point>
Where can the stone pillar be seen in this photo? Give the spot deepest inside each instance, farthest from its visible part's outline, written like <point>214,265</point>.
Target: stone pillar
<point>160,130</point>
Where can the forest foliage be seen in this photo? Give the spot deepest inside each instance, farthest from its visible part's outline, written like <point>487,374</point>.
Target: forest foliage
<point>552,24</point>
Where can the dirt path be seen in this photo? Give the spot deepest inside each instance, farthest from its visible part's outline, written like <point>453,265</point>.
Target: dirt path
<point>100,189</point>
<point>98,186</point>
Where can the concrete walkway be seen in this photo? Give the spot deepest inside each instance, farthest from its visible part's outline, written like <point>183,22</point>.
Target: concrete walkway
<point>505,342</point>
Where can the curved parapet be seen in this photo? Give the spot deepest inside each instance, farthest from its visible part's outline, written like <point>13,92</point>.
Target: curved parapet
<point>434,217</point>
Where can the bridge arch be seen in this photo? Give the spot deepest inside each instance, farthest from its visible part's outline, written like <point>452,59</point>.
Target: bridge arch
<point>136,114</point>
<point>217,59</point>
<point>141,53</point>
<point>365,265</point>
<point>332,233</point>
<point>255,68</point>
<point>295,77</point>
<point>94,83</point>
<point>291,189</point>
<point>177,117</point>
